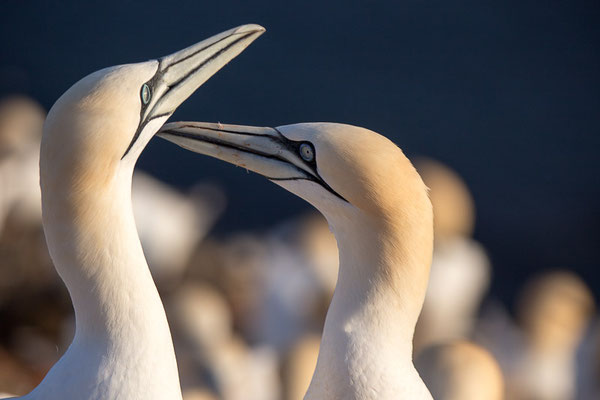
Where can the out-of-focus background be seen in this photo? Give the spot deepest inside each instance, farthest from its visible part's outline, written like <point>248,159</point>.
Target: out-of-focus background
<point>496,102</point>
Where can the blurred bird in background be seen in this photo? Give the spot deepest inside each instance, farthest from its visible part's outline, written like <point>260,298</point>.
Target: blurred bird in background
<point>538,350</point>
<point>460,270</point>
<point>460,370</point>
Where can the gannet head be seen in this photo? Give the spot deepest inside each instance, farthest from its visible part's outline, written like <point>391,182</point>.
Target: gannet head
<point>106,119</point>
<point>554,310</point>
<point>343,170</point>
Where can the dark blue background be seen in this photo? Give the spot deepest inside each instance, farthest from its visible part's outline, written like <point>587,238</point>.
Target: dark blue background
<point>506,92</point>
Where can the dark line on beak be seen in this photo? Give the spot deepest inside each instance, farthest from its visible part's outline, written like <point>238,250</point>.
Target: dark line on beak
<point>222,130</point>
<point>317,179</point>
<point>231,146</point>
<point>178,83</point>
<point>194,70</point>
<point>196,52</point>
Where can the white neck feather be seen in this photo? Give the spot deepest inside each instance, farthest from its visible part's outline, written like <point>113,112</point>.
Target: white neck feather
<point>366,349</point>
<point>122,347</point>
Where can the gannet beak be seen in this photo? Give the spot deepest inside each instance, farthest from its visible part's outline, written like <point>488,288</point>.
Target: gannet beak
<point>181,73</point>
<point>260,149</point>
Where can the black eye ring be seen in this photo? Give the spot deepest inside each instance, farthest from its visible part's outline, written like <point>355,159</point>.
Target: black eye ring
<point>307,152</point>
<point>146,94</point>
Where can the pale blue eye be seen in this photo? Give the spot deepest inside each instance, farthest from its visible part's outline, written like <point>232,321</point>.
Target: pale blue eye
<point>146,94</point>
<point>307,152</point>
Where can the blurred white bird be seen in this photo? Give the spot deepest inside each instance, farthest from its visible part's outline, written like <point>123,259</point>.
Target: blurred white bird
<point>92,138</point>
<point>554,313</point>
<point>460,269</point>
<point>238,371</point>
<point>381,216</point>
<point>460,276</point>
<point>292,292</point>
<point>279,283</point>
<point>539,354</point>
<point>21,122</point>
<point>460,370</point>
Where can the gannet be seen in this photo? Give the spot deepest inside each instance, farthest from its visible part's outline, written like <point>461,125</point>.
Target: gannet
<point>92,138</point>
<point>318,245</point>
<point>554,311</point>
<point>460,370</point>
<point>21,122</point>
<point>460,269</point>
<point>540,355</point>
<point>379,211</point>
<point>300,272</point>
<point>201,319</point>
<point>290,295</point>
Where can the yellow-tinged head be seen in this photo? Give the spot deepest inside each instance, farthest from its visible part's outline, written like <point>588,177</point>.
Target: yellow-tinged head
<point>91,125</point>
<point>340,169</point>
<point>106,119</point>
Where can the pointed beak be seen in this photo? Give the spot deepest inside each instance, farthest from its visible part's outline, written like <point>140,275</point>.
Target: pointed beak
<point>181,73</point>
<point>259,149</point>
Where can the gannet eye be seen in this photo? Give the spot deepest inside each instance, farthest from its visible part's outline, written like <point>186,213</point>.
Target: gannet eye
<point>307,152</point>
<point>146,94</point>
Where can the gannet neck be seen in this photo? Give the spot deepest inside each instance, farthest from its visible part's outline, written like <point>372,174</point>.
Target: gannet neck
<point>367,339</point>
<point>122,346</point>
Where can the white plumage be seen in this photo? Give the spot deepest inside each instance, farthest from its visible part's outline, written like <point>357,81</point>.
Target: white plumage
<point>93,135</point>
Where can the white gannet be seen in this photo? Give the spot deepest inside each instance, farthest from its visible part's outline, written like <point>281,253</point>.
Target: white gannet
<point>290,294</point>
<point>300,273</point>
<point>318,245</point>
<point>554,311</point>
<point>379,211</point>
<point>21,122</point>
<point>460,269</point>
<point>460,370</point>
<point>539,355</point>
<point>92,138</point>
<point>201,319</point>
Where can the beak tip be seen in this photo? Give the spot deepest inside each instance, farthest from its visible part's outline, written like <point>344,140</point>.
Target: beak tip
<point>249,28</point>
